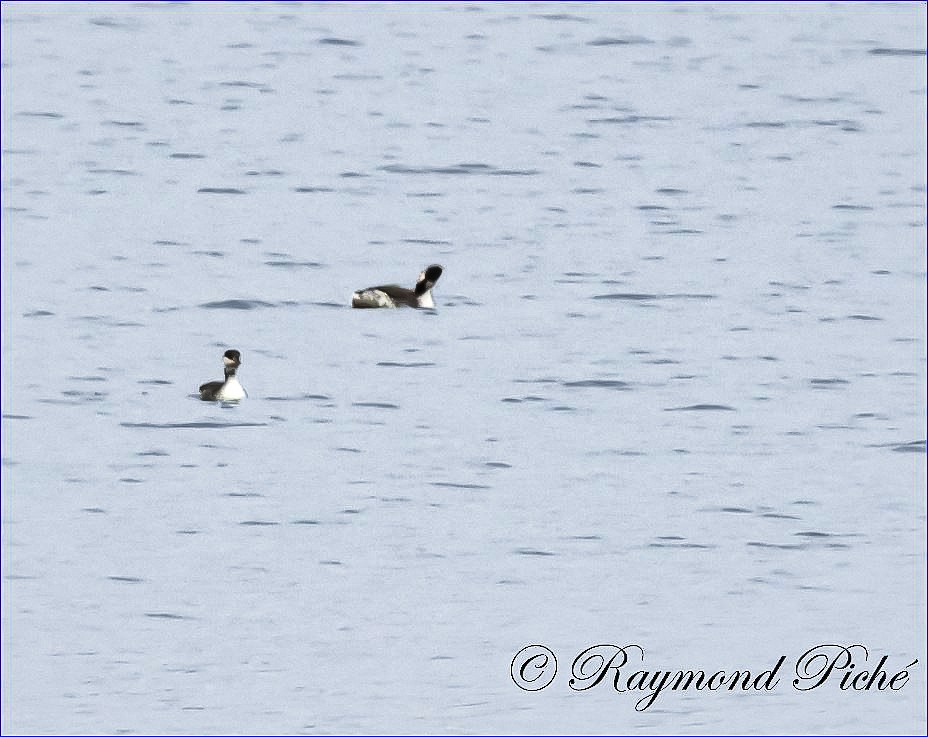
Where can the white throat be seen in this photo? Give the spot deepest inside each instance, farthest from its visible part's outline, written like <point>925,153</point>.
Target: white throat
<point>231,391</point>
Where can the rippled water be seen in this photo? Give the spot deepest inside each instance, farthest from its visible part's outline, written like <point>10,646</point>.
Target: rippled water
<point>672,393</point>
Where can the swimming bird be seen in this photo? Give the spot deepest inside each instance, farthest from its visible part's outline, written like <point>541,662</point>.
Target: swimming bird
<point>391,295</point>
<point>229,390</point>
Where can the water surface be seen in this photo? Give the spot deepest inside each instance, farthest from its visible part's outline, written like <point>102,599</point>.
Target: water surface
<point>672,393</point>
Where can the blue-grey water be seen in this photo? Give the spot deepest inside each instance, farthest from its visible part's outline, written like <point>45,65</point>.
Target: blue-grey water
<point>672,393</point>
